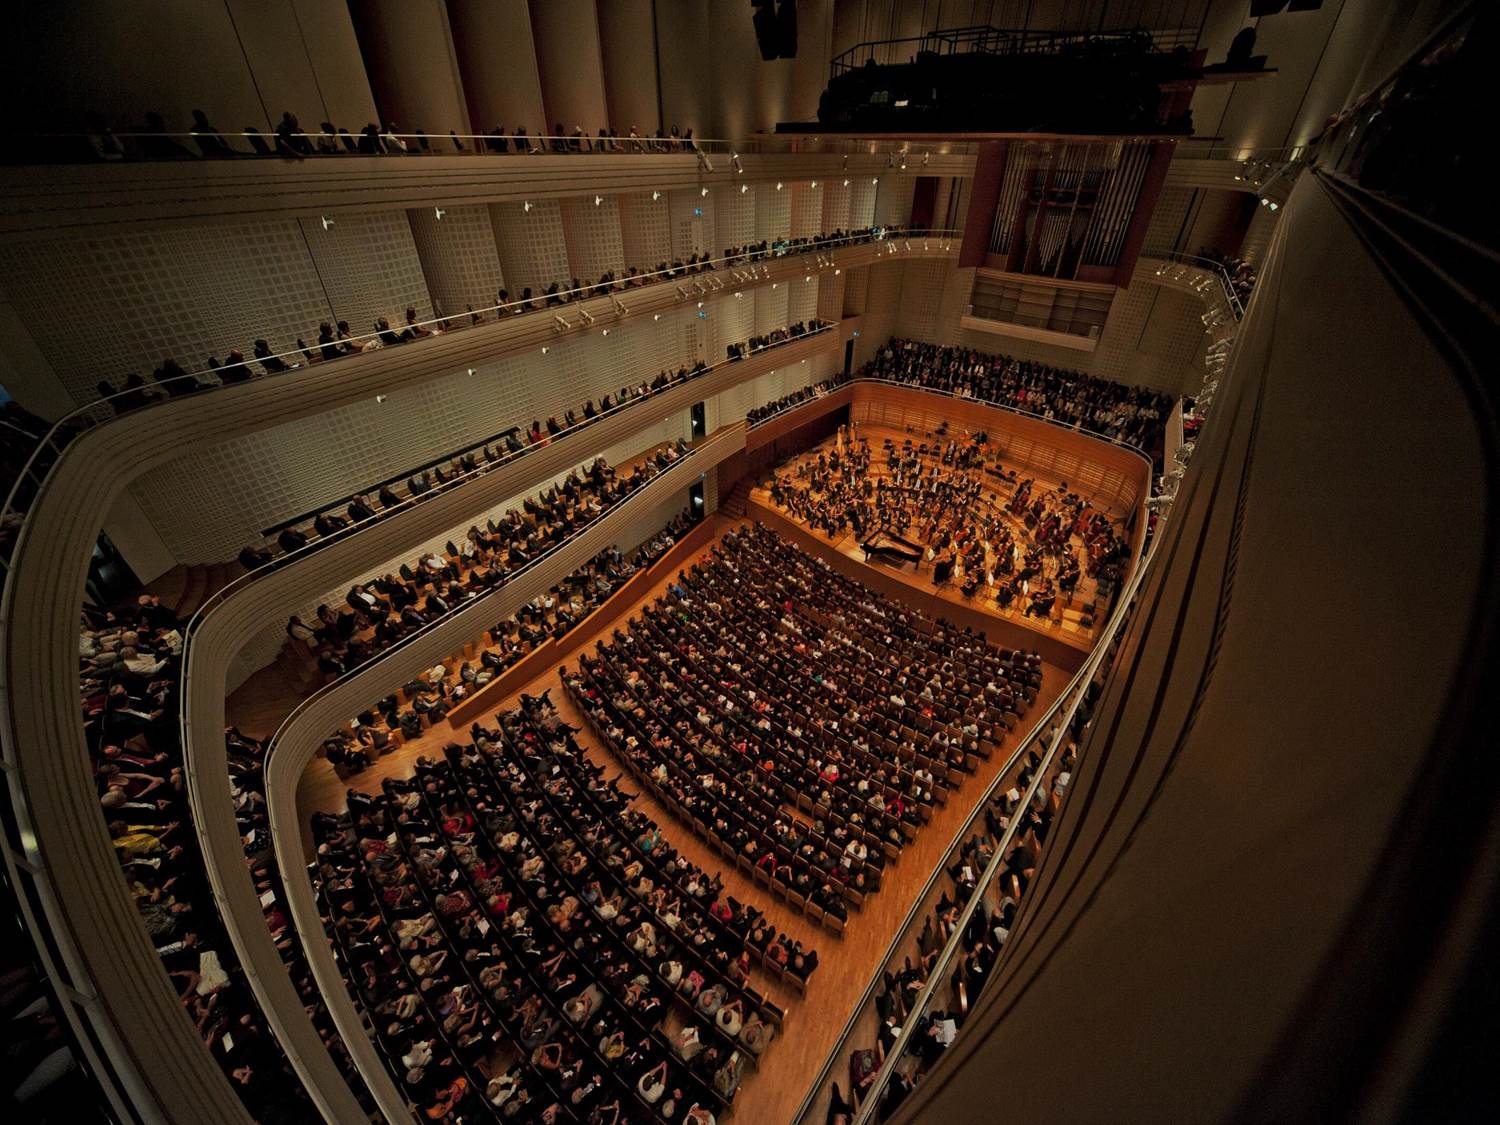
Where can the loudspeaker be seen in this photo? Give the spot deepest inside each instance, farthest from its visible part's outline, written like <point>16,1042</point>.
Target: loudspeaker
<point>766,33</point>
<point>786,28</point>
<point>1271,7</point>
<point>775,28</point>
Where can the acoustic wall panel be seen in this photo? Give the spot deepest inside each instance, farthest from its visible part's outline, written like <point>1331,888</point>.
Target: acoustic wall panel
<point>592,233</point>
<point>100,307</point>
<point>458,256</point>
<point>532,245</point>
<point>773,211</point>
<point>646,228</point>
<point>369,267</point>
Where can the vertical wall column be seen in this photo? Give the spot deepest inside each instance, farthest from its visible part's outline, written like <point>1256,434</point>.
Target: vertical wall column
<point>627,38</point>
<point>305,59</point>
<point>683,30</point>
<point>893,200</point>
<point>566,33</point>
<point>497,58</point>
<point>413,70</point>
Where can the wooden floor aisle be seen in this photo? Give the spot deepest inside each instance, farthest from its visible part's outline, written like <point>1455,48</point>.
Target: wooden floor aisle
<point>772,1092</point>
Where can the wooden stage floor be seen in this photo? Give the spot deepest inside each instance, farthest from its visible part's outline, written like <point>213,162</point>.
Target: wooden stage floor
<point>1065,624</point>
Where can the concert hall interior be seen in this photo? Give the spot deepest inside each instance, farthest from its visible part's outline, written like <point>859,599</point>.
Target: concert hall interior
<point>828,562</point>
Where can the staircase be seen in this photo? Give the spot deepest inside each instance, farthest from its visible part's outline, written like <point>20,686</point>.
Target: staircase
<point>183,589</point>
<point>733,506</point>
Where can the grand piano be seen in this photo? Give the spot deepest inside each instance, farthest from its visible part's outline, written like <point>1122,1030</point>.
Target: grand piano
<point>891,548</point>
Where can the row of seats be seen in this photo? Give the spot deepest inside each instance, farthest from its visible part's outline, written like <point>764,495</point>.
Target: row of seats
<point>708,696</point>
<point>336,339</point>
<point>1133,415</point>
<point>498,918</point>
<point>380,612</point>
<point>551,616</point>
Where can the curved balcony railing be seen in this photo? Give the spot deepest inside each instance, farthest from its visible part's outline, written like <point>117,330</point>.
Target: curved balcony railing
<point>161,1061</point>
<point>1047,735</point>
<point>696,280</point>
<point>1216,272</point>
<point>508,457</point>
<point>140,145</point>
<point>305,728</point>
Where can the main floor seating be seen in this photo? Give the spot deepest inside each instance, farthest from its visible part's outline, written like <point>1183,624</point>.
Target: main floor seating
<point>523,939</point>
<point>803,724</point>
